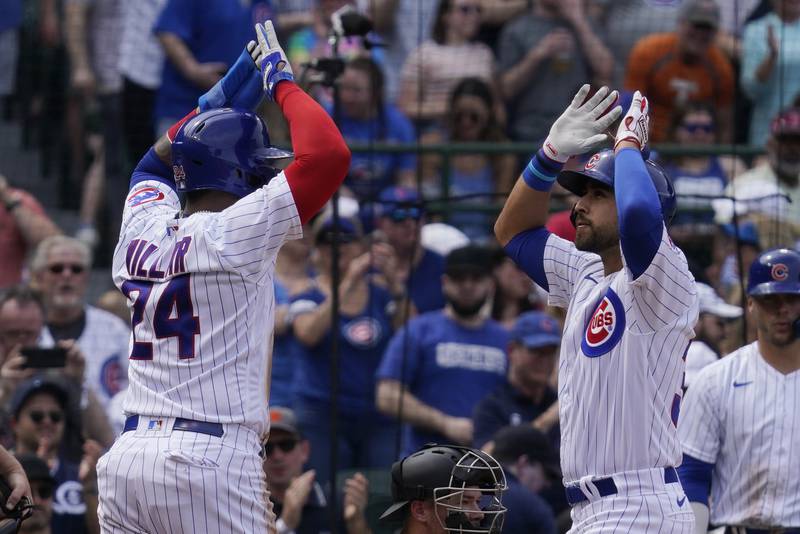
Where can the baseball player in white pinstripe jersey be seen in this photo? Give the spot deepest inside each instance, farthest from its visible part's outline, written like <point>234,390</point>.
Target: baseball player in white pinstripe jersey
<point>740,427</point>
<point>200,286</point>
<point>631,306</point>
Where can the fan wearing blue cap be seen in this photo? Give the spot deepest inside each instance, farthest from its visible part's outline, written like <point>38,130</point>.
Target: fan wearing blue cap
<point>527,396</point>
<point>399,218</point>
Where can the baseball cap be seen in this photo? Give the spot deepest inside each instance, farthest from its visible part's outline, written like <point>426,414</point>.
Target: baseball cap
<point>37,385</point>
<point>325,225</point>
<point>35,468</point>
<point>786,123</point>
<point>536,329</point>
<point>470,259</point>
<point>442,238</point>
<point>747,233</point>
<point>712,303</point>
<point>511,442</point>
<point>399,203</point>
<point>701,12</point>
<point>281,418</point>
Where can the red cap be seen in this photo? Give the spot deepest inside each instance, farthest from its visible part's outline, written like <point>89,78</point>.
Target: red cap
<point>787,122</point>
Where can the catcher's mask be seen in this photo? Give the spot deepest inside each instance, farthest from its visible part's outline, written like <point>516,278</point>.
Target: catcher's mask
<point>467,484</point>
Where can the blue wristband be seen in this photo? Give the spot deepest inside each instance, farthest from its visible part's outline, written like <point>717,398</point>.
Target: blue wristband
<point>541,172</point>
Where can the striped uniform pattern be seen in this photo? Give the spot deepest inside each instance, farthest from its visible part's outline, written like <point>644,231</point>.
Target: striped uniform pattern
<point>200,290</point>
<point>184,482</point>
<point>620,377</point>
<point>104,343</point>
<point>741,414</point>
<point>644,504</point>
<point>219,372</point>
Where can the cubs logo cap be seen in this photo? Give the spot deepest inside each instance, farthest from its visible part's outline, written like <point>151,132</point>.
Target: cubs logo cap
<point>536,329</point>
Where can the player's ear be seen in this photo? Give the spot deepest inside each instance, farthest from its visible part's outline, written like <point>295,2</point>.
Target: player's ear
<point>419,511</point>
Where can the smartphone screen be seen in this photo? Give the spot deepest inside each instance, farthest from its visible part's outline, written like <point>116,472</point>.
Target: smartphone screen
<point>40,358</point>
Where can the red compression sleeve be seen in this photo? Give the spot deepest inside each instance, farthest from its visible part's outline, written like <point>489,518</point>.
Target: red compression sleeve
<point>321,157</point>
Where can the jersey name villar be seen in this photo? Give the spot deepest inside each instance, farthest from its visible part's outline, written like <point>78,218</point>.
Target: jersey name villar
<point>622,358</point>
<point>742,415</point>
<point>200,290</point>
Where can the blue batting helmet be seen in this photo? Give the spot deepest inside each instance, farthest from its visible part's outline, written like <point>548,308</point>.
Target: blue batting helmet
<point>224,150</point>
<point>775,271</point>
<point>600,168</point>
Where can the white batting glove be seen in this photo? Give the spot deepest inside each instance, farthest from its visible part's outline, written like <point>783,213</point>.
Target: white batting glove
<point>581,128</point>
<point>635,126</point>
<point>271,59</point>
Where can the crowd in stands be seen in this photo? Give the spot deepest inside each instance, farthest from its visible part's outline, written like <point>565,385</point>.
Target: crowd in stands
<point>440,337</point>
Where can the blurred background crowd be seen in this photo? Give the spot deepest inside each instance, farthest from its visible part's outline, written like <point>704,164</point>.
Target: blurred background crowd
<point>439,336</point>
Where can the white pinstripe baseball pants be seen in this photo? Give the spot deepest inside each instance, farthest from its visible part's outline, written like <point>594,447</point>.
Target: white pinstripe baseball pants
<point>166,481</point>
<point>644,504</point>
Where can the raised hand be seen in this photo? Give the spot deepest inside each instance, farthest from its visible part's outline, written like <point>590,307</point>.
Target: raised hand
<point>582,126</point>
<point>274,64</point>
<point>635,125</point>
<point>241,85</point>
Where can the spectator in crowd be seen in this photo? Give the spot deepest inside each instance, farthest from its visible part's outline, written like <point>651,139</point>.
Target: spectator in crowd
<point>402,26</point>
<point>367,315</point>
<point>42,486</point>
<point>365,117</point>
<point>141,60</point>
<point>432,71</point>
<point>761,193</point>
<point>200,41</point>
<point>442,363</point>
<point>770,73</point>
<point>446,488</point>
<point>399,220</point>
<point>675,68</point>
<point>115,303</point>
<point>24,225</point>
<point>624,22</point>
<point>697,179</point>
<point>10,21</point>
<point>515,293</point>
<point>92,34</point>
<point>293,276</point>
<point>299,501</point>
<point>471,117</point>
<point>39,409</point>
<point>526,398</point>
<point>711,330</point>
<point>732,241</point>
<point>293,15</point>
<point>21,322</point>
<point>543,56</point>
<point>311,42</point>
<point>531,467</point>
<point>60,271</point>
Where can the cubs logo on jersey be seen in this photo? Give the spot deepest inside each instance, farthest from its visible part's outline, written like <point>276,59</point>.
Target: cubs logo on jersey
<point>364,332</point>
<point>111,376</point>
<point>605,327</point>
<point>144,195</point>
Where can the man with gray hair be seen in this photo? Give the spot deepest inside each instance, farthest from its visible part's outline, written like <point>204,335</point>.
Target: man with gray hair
<point>60,271</point>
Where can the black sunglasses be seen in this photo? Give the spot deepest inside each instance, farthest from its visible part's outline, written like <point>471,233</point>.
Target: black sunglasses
<point>401,214</point>
<point>38,416</point>
<point>58,268</point>
<point>698,127</point>
<point>470,9</point>
<point>285,445</point>
<point>44,490</point>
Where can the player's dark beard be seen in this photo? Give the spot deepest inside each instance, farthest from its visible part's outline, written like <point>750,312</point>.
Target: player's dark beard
<point>466,311</point>
<point>595,241</point>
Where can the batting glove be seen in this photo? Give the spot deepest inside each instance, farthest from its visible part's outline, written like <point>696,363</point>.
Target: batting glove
<point>274,65</point>
<point>241,85</point>
<point>635,125</point>
<point>581,128</point>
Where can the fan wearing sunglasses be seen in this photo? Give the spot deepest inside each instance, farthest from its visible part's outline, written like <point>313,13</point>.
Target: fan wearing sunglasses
<point>39,409</point>
<point>300,503</point>
<point>60,272</point>
<point>697,179</point>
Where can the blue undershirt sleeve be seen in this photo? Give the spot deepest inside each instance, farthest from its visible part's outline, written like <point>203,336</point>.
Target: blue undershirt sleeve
<point>639,211</point>
<point>151,167</point>
<point>695,476</point>
<point>527,250</point>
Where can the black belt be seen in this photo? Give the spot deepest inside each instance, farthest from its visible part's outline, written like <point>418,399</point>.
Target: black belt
<point>606,487</point>
<point>187,425</point>
<point>770,530</point>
